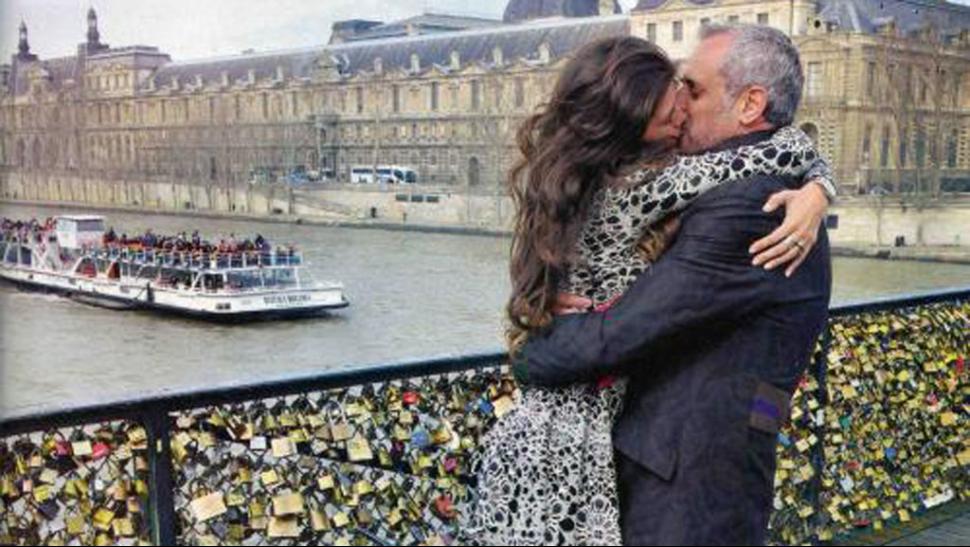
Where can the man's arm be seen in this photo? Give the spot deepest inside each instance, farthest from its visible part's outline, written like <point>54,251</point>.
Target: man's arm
<point>705,280</point>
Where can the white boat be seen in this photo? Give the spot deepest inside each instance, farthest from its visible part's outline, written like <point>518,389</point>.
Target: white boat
<point>71,260</point>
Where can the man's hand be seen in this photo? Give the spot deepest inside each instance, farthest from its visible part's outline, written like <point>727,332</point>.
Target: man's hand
<point>570,303</point>
<point>793,240</point>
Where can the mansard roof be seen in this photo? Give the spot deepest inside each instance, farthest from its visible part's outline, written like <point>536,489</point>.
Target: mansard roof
<point>908,15</point>
<point>523,10</point>
<point>59,71</point>
<point>472,46</point>
<point>868,15</point>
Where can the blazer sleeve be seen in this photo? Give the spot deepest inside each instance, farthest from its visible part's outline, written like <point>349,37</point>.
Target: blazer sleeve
<point>705,279</point>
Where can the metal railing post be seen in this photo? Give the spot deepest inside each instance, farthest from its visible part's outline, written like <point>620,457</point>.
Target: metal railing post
<point>161,493</point>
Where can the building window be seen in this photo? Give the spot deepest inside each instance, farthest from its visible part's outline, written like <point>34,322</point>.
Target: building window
<point>705,21</point>
<point>924,88</point>
<point>652,32</point>
<point>678,30</point>
<point>476,95</point>
<point>867,144</point>
<point>813,79</point>
<point>733,19</point>
<point>871,80</point>
<point>360,100</point>
<point>265,105</point>
<point>396,98</point>
<point>884,148</point>
<point>920,147</point>
<point>435,93</point>
<point>237,108</point>
<point>519,92</point>
<point>763,18</point>
<point>903,150</point>
<point>951,149</point>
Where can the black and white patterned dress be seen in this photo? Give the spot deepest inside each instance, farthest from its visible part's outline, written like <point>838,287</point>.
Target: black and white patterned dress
<point>545,471</point>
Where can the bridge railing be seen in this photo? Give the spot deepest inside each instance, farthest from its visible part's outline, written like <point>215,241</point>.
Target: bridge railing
<point>381,455</point>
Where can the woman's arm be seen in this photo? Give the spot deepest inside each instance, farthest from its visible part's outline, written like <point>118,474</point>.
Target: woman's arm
<point>789,152</point>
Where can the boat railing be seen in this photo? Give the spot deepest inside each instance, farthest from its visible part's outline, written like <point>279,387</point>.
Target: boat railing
<point>202,260</point>
<point>381,455</point>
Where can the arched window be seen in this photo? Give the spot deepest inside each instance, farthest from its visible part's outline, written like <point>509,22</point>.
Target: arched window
<point>474,172</point>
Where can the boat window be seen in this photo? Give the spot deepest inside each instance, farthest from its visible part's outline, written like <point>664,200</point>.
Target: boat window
<point>177,278</point>
<point>244,280</point>
<point>25,257</point>
<point>212,282</point>
<point>87,267</point>
<point>279,277</point>
<point>148,272</point>
<point>91,225</point>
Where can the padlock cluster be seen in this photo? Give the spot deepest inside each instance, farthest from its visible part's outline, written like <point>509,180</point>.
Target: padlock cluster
<point>893,437</point>
<point>375,464</point>
<point>878,434</point>
<point>82,486</point>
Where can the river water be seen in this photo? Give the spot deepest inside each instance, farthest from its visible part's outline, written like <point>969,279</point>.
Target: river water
<point>412,295</point>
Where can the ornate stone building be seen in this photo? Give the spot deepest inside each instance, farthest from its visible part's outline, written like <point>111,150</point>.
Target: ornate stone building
<point>887,83</point>
<point>443,94</point>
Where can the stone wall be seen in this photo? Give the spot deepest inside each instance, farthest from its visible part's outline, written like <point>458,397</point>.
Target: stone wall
<point>861,221</point>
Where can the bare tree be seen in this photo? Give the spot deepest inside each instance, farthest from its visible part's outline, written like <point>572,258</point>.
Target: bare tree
<point>918,68</point>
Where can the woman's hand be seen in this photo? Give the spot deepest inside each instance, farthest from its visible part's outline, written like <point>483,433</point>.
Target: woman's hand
<point>793,240</point>
<point>567,304</point>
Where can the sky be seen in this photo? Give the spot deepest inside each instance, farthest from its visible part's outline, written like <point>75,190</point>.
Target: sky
<point>192,29</point>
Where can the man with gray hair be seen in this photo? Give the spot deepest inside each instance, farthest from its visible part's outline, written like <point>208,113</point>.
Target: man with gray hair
<point>713,338</point>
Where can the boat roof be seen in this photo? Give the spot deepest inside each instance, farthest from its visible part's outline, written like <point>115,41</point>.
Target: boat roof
<point>79,217</point>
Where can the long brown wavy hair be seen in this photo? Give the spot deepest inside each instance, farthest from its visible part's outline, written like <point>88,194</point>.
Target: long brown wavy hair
<point>589,131</point>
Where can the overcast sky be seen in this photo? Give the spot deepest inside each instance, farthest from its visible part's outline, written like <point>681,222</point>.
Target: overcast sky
<point>190,29</point>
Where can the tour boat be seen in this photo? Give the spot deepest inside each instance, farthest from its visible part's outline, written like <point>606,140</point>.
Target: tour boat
<point>71,260</point>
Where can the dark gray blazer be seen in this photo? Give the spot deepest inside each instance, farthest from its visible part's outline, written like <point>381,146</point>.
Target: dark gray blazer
<point>713,347</point>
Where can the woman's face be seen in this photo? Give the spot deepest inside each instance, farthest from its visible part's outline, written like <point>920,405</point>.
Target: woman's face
<point>668,119</point>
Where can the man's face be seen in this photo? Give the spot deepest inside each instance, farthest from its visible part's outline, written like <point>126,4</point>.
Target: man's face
<point>711,117</point>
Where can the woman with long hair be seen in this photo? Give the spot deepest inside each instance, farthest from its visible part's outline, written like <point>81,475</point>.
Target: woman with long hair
<point>597,174</point>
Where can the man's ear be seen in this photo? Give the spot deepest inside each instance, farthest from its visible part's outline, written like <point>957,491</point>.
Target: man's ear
<point>752,104</point>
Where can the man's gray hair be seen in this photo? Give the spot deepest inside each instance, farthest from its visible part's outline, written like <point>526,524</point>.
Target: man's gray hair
<point>765,57</point>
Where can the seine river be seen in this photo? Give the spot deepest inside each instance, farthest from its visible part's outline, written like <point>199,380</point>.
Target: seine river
<point>412,295</point>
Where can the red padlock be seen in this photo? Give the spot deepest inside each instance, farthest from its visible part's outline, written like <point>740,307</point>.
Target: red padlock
<point>451,463</point>
<point>100,450</point>
<point>444,507</point>
<point>62,449</point>
<point>410,398</point>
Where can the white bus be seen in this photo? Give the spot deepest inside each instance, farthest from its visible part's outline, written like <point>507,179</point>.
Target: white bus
<point>388,174</point>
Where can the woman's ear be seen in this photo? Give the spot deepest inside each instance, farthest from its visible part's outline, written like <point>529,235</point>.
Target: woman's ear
<point>753,103</point>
